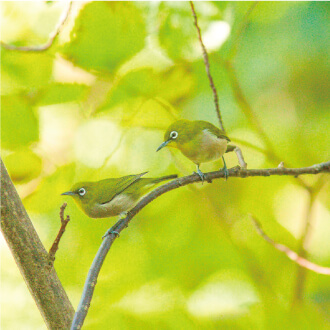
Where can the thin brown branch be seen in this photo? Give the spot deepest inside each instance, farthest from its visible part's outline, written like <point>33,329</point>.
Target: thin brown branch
<point>64,222</point>
<point>301,273</point>
<point>298,259</point>
<point>52,37</point>
<point>114,232</point>
<point>304,240</point>
<point>207,67</point>
<point>239,154</point>
<point>240,157</point>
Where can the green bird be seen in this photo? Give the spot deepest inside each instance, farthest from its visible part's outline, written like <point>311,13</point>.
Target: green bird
<point>111,197</point>
<point>198,140</point>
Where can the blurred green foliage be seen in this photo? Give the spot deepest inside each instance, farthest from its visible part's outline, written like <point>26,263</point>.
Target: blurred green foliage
<point>96,104</point>
<point>19,122</point>
<point>105,35</point>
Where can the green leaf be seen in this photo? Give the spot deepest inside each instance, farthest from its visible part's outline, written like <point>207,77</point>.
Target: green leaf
<point>150,84</point>
<point>23,165</point>
<point>18,122</point>
<point>24,70</point>
<point>177,32</point>
<point>105,35</point>
<point>61,93</point>
<point>48,195</point>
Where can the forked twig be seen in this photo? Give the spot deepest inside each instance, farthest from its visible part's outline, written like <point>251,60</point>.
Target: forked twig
<point>56,243</point>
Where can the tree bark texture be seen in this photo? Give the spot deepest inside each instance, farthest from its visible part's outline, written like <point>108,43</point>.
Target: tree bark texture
<point>32,258</point>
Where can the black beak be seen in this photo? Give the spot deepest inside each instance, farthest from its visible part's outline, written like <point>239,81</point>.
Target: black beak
<point>164,144</point>
<point>70,193</point>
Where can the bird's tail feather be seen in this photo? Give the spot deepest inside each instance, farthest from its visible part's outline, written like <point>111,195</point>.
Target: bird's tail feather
<point>164,178</point>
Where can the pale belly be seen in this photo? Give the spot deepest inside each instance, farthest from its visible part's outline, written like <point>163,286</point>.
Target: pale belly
<point>207,148</point>
<point>119,204</point>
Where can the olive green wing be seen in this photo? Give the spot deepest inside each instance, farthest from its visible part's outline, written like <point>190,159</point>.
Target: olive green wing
<point>114,187</point>
<point>213,129</point>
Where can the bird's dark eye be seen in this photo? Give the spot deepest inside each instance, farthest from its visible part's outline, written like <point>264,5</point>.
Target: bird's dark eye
<point>174,135</point>
<point>81,191</point>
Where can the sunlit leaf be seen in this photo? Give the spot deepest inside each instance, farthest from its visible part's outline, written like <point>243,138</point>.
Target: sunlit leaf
<point>177,34</point>
<point>48,195</point>
<point>60,93</point>
<point>24,70</point>
<point>23,165</point>
<point>105,35</point>
<point>18,122</point>
<point>148,84</point>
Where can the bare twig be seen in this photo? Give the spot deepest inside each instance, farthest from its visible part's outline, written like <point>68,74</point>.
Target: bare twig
<point>39,48</point>
<point>207,67</point>
<point>238,151</point>
<point>301,261</point>
<point>298,290</point>
<point>64,222</point>
<point>305,238</point>
<point>91,280</point>
<point>240,157</point>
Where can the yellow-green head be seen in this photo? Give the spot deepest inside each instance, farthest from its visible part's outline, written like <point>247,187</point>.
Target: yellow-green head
<point>178,133</point>
<point>198,140</point>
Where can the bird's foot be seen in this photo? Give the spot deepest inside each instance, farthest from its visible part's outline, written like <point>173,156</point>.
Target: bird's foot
<point>225,172</point>
<point>224,169</point>
<point>201,175</point>
<point>109,232</point>
<point>123,215</point>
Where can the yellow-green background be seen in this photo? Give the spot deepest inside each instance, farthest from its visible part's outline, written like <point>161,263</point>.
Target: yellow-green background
<point>96,104</point>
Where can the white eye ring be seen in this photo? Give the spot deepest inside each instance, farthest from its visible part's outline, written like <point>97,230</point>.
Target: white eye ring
<point>81,191</point>
<point>174,135</point>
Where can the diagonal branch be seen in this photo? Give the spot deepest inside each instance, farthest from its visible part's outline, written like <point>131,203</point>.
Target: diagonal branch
<point>32,258</point>
<point>207,67</point>
<point>39,48</point>
<point>301,261</point>
<point>91,280</point>
<point>305,238</point>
